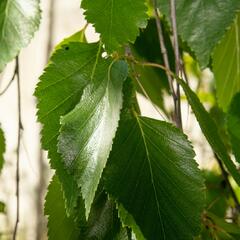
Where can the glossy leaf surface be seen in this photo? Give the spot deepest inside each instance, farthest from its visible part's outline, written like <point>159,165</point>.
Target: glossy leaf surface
<point>59,90</point>
<point>152,173</point>
<point>87,132</point>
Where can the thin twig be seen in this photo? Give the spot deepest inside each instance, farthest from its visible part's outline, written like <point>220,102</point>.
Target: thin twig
<point>20,128</point>
<point>10,82</point>
<point>225,176</point>
<point>177,61</point>
<point>165,60</point>
<point>129,56</point>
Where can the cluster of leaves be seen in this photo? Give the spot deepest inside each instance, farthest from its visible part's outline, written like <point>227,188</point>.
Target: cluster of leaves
<point>119,175</point>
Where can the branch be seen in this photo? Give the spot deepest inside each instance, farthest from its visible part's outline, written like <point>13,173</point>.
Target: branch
<point>166,62</point>
<point>11,81</point>
<point>20,127</point>
<point>177,61</point>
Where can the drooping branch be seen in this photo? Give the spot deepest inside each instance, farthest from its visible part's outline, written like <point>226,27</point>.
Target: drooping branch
<point>20,128</point>
<point>10,82</point>
<point>164,52</point>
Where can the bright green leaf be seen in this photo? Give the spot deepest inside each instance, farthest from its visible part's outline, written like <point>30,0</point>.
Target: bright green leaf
<point>2,149</point>
<point>151,171</point>
<point>87,132</point>
<point>202,23</point>
<point>19,19</point>
<point>210,130</point>
<point>59,90</point>
<point>116,21</point>
<point>226,65</point>
<point>233,125</point>
<point>60,226</point>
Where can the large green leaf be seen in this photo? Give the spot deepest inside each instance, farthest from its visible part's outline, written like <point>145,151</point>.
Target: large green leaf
<point>19,19</point>
<point>210,130</point>
<point>202,23</point>
<point>2,149</point>
<point>152,173</point>
<point>116,21</point>
<point>58,92</point>
<point>233,125</point>
<point>60,226</point>
<point>87,132</point>
<point>226,65</point>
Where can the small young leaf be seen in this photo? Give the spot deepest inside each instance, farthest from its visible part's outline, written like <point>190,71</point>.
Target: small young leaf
<point>2,149</point>
<point>59,90</point>
<point>226,65</point>
<point>152,173</point>
<point>210,130</point>
<point>116,21</point>
<point>233,125</point>
<point>202,23</point>
<point>18,22</point>
<point>87,132</point>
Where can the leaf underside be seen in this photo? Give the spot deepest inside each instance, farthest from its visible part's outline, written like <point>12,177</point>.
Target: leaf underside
<point>19,19</point>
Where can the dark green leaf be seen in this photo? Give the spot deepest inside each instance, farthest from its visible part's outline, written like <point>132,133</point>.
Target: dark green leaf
<point>202,23</point>
<point>87,132</point>
<point>19,19</point>
<point>210,130</point>
<point>58,92</point>
<point>2,149</point>
<point>152,173</point>
<point>233,125</point>
<point>116,21</point>
<point>226,65</point>
<point>60,226</point>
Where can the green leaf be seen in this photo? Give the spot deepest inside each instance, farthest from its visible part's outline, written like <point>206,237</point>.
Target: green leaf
<point>116,21</point>
<point>103,222</point>
<point>2,149</point>
<point>233,125</point>
<point>202,23</point>
<point>226,65</point>
<point>128,221</point>
<point>152,173</point>
<point>87,132</point>
<point>19,20</point>
<point>2,207</point>
<point>60,226</point>
<point>76,37</point>
<point>59,90</point>
<point>210,130</point>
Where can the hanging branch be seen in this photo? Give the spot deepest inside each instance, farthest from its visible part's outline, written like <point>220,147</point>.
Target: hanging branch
<point>167,65</point>
<point>10,82</point>
<point>177,60</point>
<point>20,128</point>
